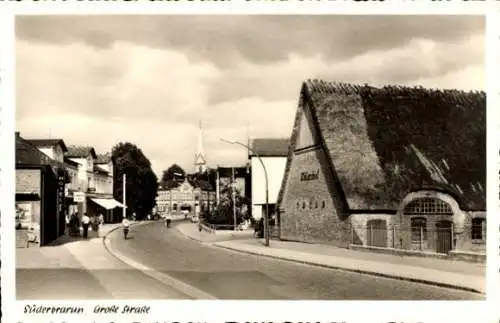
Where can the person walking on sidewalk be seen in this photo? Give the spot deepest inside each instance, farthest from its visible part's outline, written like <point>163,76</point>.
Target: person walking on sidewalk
<point>67,220</point>
<point>85,225</point>
<point>168,219</point>
<point>126,227</point>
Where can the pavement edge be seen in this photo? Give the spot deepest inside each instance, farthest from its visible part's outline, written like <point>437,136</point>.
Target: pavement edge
<point>162,278</point>
<point>359,271</point>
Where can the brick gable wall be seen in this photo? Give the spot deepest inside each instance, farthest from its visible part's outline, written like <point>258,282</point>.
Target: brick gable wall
<point>314,223</point>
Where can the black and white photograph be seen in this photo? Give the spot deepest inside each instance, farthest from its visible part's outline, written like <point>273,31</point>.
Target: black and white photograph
<point>250,157</point>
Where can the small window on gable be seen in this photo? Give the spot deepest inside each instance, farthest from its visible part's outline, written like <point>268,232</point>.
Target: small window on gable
<point>315,204</point>
<point>303,205</point>
<point>298,205</point>
<point>323,204</point>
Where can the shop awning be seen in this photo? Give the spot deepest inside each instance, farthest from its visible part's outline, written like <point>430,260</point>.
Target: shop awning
<point>108,204</point>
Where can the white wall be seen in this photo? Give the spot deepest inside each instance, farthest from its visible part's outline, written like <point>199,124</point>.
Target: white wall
<point>55,153</point>
<point>275,167</point>
<point>103,184</point>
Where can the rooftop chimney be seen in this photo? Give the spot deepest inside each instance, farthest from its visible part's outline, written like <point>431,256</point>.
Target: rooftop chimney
<point>17,133</point>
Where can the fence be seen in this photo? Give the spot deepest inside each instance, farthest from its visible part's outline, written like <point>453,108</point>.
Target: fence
<point>438,238</point>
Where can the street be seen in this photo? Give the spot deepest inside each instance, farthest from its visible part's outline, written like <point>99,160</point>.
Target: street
<point>229,275</point>
<point>82,270</point>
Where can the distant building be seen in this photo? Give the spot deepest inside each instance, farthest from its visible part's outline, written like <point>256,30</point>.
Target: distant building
<point>184,195</point>
<point>93,190</point>
<point>273,153</point>
<point>388,168</point>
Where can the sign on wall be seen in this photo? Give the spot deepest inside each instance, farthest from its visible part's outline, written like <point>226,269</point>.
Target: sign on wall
<point>309,175</point>
<point>61,182</point>
<point>79,197</point>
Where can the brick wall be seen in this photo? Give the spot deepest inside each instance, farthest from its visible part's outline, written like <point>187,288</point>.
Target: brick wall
<point>310,212</point>
<point>28,181</point>
<point>360,228</point>
<point>464,241</point>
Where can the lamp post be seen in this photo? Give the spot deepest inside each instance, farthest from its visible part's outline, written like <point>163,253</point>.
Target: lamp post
<point>266,214</point>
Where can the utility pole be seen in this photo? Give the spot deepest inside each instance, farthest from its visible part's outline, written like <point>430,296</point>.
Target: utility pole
<point>266,214</point>
<point>124,196</point>
<point>217,188</point>
<point>233,191</point>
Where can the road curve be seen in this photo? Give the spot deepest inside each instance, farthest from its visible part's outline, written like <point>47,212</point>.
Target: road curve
<point>231,275</point>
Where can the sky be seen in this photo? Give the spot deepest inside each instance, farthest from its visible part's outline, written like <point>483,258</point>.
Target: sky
<point>149,80</point>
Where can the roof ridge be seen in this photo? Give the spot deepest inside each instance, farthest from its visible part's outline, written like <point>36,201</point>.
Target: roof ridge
<point>330,87</point>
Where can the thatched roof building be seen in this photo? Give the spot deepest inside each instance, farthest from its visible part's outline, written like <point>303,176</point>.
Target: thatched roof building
<point>383,143</point>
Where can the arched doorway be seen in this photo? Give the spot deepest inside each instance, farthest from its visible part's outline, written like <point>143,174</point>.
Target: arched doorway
<point>444,236</point>
<point>376,233</point>
<point>430,222</point>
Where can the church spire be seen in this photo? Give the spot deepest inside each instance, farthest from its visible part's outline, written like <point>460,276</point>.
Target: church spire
<point>199,159</point>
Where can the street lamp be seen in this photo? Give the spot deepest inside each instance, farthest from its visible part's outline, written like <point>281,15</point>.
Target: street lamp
<point>266,215</point>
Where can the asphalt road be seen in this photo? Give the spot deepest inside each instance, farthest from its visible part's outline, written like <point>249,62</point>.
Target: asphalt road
<point>90,273</point>
<point>232,275</point>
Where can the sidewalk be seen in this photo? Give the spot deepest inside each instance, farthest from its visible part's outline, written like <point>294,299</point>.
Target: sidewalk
<point>439,272</point>
<point>191,231</point>
<point>73,268</point>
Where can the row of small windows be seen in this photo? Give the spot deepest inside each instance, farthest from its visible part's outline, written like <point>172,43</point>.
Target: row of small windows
<point>428,206</point>
<point>311,204</point>
<point>419,229</point>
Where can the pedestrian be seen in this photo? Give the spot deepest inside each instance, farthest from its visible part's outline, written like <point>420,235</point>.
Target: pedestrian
<point>85,225</point>
<point>169,220</point>
<point>125,226</point>
<point>101,219</point>
<point>67,220</point>
<point>74,224</point>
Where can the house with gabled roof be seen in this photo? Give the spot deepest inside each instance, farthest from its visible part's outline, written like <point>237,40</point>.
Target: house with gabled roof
<point>94,183</point>
<point>40,182</point>
<point>267,158</point>
<point>392,168</point>
<point>188,194</point>
<point>54,148</point>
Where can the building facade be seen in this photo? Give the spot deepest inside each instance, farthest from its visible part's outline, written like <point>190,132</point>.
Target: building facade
<point>373,168</point>
<point>184,195</point>
<point>273,154</point>
<point>38,191</point>
<point>92,191</point>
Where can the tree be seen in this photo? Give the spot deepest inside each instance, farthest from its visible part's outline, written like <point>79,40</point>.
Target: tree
<point>141,181</point>
<point>172,173</point>
<point>224,213</point>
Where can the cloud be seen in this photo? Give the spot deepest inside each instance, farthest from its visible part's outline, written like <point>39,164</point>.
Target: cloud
<point>258,39</point>
<point>100,80</point>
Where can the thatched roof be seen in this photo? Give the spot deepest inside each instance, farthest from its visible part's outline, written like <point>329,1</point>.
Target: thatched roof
<point>386,142</point>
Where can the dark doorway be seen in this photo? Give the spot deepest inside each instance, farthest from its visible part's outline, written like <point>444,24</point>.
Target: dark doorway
<point>186,208</point>
<point>444,238</point>
<point>376,233</point>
